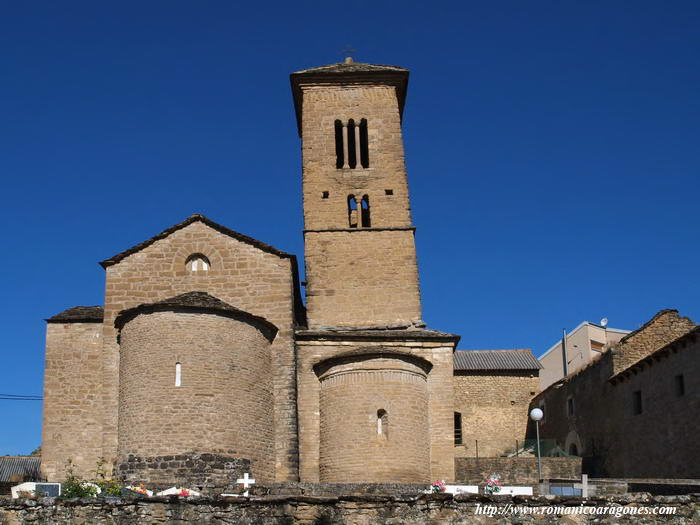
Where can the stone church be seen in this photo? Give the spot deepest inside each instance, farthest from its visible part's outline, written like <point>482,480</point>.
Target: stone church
<point>207,360</point>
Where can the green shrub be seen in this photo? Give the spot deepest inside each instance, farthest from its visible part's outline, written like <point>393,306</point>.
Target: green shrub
<point>74,487</point>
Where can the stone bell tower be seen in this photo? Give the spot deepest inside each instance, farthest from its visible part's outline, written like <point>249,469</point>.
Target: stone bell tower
<point>360,252</point>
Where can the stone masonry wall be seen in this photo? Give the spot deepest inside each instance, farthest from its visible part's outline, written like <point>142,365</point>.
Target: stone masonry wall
<point>241,275</point>
<point>210,473</point>
<point>356,276</point>
<point>659,442</point>
<point>439,409</point>
<point>361,278</point>
<point>72,387</point>
<point>350,509</point>
<point>353,446</point>
<point>663,328</point>
<point>494,407</point>
<point>224,403</point>
<point>323,105</point>
<point>515,471</point>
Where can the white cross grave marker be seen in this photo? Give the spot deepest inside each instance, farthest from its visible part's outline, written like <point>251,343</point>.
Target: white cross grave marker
<point>586,489</point>
<point>246,481</point>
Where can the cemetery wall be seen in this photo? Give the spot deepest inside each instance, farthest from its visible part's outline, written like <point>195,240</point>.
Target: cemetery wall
<point>515,471</point>
<point>340,510</point>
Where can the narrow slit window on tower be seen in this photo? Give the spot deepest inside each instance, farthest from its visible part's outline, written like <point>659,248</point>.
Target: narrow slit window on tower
<point>197,263</point>
<point>637,402</point>
<point>178,374</point>
<point>352,145</point>
<point>352,211</point>
<point>458,428</point>
<point>364,144</point>
<point>339,154</point>
<point>366,222</point>
<point>382,423</point>
<point>679,385</point>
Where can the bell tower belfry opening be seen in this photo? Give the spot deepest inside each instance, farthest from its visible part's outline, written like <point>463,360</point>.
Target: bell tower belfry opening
<point>360,252</point>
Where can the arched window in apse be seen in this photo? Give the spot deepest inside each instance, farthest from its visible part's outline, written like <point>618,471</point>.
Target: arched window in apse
<point>382,423</point>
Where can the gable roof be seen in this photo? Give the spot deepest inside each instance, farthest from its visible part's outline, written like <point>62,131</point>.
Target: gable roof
<point>519,359</point>
<point>681,342</point>
<point>351,67</point>
<point>193,300</point>
<point>191,219</point>
<point>79,314</point>
<point>660,313</point>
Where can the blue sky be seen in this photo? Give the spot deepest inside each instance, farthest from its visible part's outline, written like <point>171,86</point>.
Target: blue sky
<point>551,146</point>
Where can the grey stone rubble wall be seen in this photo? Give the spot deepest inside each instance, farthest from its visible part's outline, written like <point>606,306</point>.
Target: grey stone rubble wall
<point>516,471</point>
<point>197,471</point>
<point>426,509</point>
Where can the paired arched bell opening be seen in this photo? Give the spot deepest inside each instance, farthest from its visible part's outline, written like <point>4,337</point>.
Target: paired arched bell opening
<point>359,212</point>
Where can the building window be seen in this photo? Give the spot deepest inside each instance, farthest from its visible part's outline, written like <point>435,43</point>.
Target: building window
<point>339,150</point>
<point>679,385</point>
<point>366,222</point>
<point>637,402</point>
<point>178,374</point>
<point>597,346</point>
<point>570,406</point>
<point>351,144</point>
<point>352,211</point>
<point>364,144</point>
<point>382,423</point>
<point>573,449</point>
<point>458,428</point>
<point>197,263</point>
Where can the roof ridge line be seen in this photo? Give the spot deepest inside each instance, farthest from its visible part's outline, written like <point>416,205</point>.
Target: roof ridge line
<point>195,217</point>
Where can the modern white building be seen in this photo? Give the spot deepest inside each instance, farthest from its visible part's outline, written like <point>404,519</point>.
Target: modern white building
<point>583,344</point>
